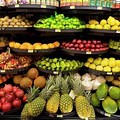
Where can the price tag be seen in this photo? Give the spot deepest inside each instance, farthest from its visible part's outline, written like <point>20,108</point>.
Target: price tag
<point>43,6</point>
<point>89,52</point>
<point>57,30</point>
<point>72,7</point>
<point>60,116</point>
<point>17,5</point>
<point>99,8</point>
<point>109,73</point>
<point>118,31</point>
<point>30,51</point>
<point>55,72</point>
<point>2,28</point>
<point>106,114</point>
<point>2,71</point>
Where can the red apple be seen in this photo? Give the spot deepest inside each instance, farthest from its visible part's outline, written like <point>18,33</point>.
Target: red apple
<point>87,45</point>
<point>97,46</point>
<point>82,49</point>
<point>74,41</point>
<point>84,41</point>
<point>105,44</point>
<point>97,49</point>
<point>81,45</point>
<point>67,44</point>
<point>92,49</point>
<point>89,41</point>
<point>87,49</point>
<point>94,41</point>
<point>70,45</point>
<point>77,49</point>
<point>72,48</point>
<point>67,48</point>
<point>98,41</point>
<point>101,45</point>
<point>79,41</point>
<point>92,45</point>
<point>76,45</point>
<point>63,43</point>
<point>101,49</point>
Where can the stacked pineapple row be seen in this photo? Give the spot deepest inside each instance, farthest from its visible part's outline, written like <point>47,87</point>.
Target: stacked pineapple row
<point>60,93</point>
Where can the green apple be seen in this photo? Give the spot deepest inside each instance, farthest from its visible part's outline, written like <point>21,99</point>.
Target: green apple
<point>99,67</point>
<point>87,64</point>
<point>104,63</point>
<point>107,69</point>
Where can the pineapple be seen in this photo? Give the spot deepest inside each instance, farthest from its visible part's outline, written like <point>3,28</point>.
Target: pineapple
<point>92,113</point>
<point>32,93</point>
<point>38,104</point>
<point>66,102</point>
<point>53,103</point>
<point>82,103</point>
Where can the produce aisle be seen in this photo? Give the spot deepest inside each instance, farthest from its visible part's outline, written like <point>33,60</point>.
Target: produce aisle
<point>59,60</point>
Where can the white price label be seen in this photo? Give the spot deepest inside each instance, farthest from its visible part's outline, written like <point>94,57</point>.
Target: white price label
<point>55,72</point>
<point>118,31</point>
<point>109,73</point>
<point>89,52</point>
<point>43,6</point>
<point>60,116</point>
<point>106,114</point>
<point>2,71</point>
<point>17,5</point>
<point>99,8</point>
<point>30,51</point>
<point>72,7</point>
<point>57,30</point>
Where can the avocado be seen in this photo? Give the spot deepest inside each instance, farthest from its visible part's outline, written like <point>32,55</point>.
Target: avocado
<point>94,100</point>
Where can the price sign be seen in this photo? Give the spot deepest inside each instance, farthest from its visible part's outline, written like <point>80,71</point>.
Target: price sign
<point>72,7</point>
<point>118,31</point>
<point>55,72</point>
<point>17,5</point>
<point>2,71</point>
<point>109,73</point>
<point>57,30</point>
<point>89,52</point>
<point>60,116</point>
<point>99,8</point>
<point>43,6</point>
<point>30,51</point>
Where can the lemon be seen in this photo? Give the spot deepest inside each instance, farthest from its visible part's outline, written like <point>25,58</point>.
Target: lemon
<point>115,27</point>
<point>117,22</point>
<point>92,26</point>
<point>103,22</point>
<point>111,21</point>
<point>93,22</point>
<point>106,26</point>
<point>87,25</point>
<point>98,27</point>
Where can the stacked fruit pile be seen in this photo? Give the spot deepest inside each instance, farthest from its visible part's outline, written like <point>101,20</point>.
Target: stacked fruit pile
<point>31,78</point>
<point>56,96</point>
<point>35,46</point>
<point>85,45</point>
<point>18,21</point>
<point>58,64</point>
<point>59,21</point>
<point>103,64</point>
<point>11,97</point>
<point>5,78</point>
<point>9,61</point>
<point>110,24</point>
<point>114,44</point>
<point>108,96</point>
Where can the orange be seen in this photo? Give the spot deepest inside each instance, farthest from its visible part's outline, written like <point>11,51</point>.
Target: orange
<point>37,47</point>
<point>16,45</point>
<point>1,81</point>
<point>23,47</point>
<point>51,45</point>
<point>36,44</point>
<point>44,46</point>
<point>30,47</point>
<point>56,44</point>
<point>11,44</point>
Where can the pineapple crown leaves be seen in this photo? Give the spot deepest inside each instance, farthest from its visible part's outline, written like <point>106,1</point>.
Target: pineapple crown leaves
<point>64,85</point>
<point>32,93</point>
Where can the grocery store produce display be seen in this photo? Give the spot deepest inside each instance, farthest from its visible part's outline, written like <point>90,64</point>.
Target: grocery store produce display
<point>85,45</point>
<point>58,64</point>
<point>104,64</point>
<point>110,24</point>
<point>59,21</point>
<point>80,84</point>
<point>11,97</point>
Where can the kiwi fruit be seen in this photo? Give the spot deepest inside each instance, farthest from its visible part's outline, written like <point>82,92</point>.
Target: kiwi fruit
<point>17,79</point>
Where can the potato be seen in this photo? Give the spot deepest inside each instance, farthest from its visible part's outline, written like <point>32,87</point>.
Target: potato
<point>12,23</point>
<point>5,26</point>
<point>2,19</point>
<point>9,20</point>
<point>15,20</point>
<point>6,23</point>
<point>23,18</point>
<point>23,23</point>
<point>6,18</point>
<point>26,20</point>
<point>0,23</point>
<point>10,26</point>
<point>16,26</point>
<point>18,23</point>
<point>18,17</point>
<point>20,20</point>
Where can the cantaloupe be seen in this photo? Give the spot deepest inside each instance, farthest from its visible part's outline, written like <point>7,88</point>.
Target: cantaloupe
<point>40,82</point>
<point>17,79</point>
